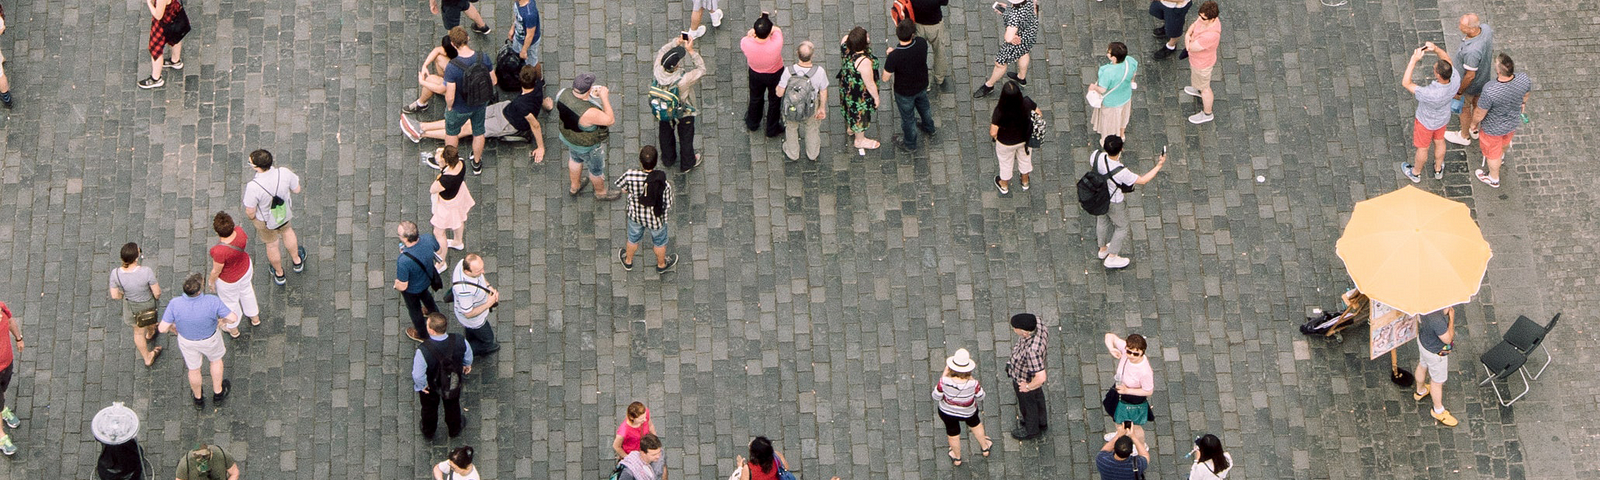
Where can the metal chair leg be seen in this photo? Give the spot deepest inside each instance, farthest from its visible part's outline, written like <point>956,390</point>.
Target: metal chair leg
<point>1490,380</point>
<point>1547,359</point>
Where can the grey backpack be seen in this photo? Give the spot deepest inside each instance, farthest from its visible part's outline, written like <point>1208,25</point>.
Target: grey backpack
<point>799,97</point>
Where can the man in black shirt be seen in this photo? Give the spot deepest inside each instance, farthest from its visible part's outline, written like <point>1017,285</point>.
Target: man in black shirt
<point>930,26</point>
<point>907,66</point>
<point>523,112</point>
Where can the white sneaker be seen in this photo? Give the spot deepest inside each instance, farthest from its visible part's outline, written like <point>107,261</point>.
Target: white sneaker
<point>1114,262</point>
<point>716,18</point>
<point>1474,133</point>
<point>1191,91</point>
<point>1201,117</point>
<point>1101,254</point>
<point>697,33</point>
<point>1109,435</point>
<point>1456,138</point>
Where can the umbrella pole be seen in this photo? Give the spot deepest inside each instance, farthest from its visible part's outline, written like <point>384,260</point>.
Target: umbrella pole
<point>1399,375</point>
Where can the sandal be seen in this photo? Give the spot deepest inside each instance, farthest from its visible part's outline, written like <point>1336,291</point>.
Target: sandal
<point>986,449</point>
<point>154,353</point>
<point>873,145</point>
<point>582,182</point>
<point>954,460</point>
<point>233,333</point>
<point>255,322</point>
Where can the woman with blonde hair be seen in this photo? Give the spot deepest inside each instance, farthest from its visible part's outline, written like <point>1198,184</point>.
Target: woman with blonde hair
<point>958,394</point>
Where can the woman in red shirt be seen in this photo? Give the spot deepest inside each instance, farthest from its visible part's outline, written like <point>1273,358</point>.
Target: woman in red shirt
<point>231,272</point>
<point>764,461</point>
<point>632,429</point>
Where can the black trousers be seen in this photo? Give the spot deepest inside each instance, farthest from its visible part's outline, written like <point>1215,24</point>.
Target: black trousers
<point>763,94</point>
<point>481,339</point>
<point>677,141</point>
<point>5,378</point>
<point>1032,408</point>
<point>414,304</point>
<point>430,414</point>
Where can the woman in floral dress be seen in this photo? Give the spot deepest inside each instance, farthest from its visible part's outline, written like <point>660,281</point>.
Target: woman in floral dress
<point>858,86</point>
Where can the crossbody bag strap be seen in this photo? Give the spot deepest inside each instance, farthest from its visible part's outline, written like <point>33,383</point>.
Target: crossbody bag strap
<point>230,245</point>
<point>421,265</point>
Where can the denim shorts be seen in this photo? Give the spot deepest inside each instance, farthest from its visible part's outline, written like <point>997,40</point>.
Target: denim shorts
<point>594,159</point>
<point>636,233</point>
<point>454,120</point>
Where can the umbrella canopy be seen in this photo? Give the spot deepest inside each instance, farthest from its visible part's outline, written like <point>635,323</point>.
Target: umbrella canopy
<point>1415,251</point>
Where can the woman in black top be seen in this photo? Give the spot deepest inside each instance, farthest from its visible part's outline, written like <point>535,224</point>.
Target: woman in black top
<point>1010,126</point>
<point>451,199</point>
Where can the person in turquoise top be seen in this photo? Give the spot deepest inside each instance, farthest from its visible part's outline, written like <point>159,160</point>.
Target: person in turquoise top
<point>1115,84</point>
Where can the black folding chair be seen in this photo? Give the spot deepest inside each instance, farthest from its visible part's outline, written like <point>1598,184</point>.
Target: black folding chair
<point>1500,362</point>
<point>1526,336</point>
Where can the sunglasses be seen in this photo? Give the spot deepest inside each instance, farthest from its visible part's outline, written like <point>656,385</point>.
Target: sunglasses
<point>1134,353</point>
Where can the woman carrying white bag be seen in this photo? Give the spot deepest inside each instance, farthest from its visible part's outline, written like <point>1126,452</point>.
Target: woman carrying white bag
<point>1111,95</point>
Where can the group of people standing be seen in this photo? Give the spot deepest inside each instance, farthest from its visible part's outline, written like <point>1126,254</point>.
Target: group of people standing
<point>1486,91</point>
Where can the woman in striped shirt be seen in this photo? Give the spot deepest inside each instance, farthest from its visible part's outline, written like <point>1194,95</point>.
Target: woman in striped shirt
<point>958,395</point>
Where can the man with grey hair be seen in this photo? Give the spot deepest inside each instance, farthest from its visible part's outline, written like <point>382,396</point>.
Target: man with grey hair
<point>813,75</point>
<point>415,270</point>
<point>474,298</point>
<point>1477,57</point>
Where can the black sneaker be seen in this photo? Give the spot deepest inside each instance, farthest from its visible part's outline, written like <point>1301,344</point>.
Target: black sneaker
<point>477,168</point>
<point>1020,81</point>
<point>412,108</point>
<point>200,402</point>
<point>218,397</point>
<point>300,267</point>
<point>1159,32</point>
<point>152,82</point>
<point>482,30</point>
<point>622,256</point>
<point>1162,53</point>
<point>1183,54</point>
<point>900,145</point>
<point>278,279</point>
<point>690,166</point>
<point>999,186</point>
<point>983,91</point>
<point>178,65</point>
<point>672,261</point>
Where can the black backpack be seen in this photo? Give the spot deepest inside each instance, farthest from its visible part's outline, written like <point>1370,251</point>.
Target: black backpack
<point>1093,193</point>
<point>508,68</point>
<point>476,88</point>
<point>444,374</point>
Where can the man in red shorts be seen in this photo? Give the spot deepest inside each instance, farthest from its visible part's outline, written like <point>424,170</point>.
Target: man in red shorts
<point>1499,113</point>
<point>1433,111</point>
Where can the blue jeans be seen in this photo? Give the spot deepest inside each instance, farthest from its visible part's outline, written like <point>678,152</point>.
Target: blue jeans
<point>636,233</point>
<point>594,160</point>
<point>917,104</point>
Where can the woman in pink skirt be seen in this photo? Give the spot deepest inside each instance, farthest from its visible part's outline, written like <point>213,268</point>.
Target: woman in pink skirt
<point>451,199</point>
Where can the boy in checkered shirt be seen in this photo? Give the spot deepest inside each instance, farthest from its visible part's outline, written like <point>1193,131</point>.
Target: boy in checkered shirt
<point>649,198</point>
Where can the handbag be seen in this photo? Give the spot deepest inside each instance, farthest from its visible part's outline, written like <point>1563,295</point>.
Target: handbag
<point>176,29</point>
<point>1036,137</point>
<point>1110,402</point>
<point>783,473</point>
<point>142,318</point>
<point>1097,99</point>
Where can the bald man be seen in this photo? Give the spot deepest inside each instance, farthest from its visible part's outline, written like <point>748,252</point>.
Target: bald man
<point>1477,64</point>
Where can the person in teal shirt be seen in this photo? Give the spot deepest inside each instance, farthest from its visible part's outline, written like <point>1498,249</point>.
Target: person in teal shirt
<point>1115,85</point>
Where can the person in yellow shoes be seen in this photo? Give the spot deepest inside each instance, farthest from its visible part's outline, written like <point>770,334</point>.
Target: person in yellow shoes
<point>1435,333</point>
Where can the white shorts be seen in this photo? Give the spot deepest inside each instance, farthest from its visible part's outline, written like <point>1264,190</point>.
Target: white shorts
<point>1438,366</point>
<point>240,297</point>
<point>211,348</point>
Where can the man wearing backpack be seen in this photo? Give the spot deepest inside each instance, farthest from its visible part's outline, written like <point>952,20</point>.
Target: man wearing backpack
<point>1117,180</point>
<point>677,71</point>
<point>271,208</point>
<point>468,89</point>
<point>804,90</point>
<point>906,65</point>
<point>438,370</point>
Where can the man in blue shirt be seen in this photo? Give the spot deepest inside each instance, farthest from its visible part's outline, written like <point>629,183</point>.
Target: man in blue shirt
<point>414,272</point>
<point>197,319</point>
<point>429,365</point>
<point>1122,456</point>
<point>1435,333</point>
<point>525,33</point>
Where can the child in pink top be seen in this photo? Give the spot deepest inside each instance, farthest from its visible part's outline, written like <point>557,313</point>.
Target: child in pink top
<point>632,429</point>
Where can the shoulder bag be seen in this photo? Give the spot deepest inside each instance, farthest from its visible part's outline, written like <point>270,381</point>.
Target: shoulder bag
<point>1097,99</point>
<point>142,318</point>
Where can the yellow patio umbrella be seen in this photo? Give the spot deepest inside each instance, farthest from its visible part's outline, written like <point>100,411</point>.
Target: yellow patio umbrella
<point>1415,251</point>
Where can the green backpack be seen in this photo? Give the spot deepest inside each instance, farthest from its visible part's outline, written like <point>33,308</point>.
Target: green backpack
<point>666,104</point>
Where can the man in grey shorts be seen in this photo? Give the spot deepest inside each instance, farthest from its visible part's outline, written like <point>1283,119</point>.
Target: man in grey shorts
<point>198,318</point>
<point>494,122</point>
<point>1435,332</point>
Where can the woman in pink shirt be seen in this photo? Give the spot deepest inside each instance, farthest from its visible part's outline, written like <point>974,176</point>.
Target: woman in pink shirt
<point>763,51</point>
<point>1201,43</point>
<point>1135,382</point>
<point>632,429</point>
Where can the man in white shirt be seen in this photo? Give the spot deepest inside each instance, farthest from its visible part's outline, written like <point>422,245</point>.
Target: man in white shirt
<point>473,300</point>
<point>268,203</point>
<point>1112,228</point>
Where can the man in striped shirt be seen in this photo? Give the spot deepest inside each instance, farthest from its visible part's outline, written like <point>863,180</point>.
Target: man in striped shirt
<point>649,198</point>
<point>1026,370</point>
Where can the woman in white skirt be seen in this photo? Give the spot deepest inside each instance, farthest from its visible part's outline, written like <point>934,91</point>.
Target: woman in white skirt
<point>452,201</point>
<point>1114,85</point>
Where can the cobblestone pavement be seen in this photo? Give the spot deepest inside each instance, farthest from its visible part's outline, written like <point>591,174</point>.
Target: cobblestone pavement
<point>815,300</point>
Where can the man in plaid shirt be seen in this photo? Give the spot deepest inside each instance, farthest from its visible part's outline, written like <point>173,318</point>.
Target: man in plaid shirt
<point>1026,370</point>
<point>647,210</point>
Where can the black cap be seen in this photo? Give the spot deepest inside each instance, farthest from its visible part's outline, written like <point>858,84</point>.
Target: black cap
<point>671,59</point>
<point>1024,321</point>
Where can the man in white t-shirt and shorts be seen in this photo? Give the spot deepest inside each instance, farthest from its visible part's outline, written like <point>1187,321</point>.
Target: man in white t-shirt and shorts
<point>1111,229</point>
<point>271,217</point>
